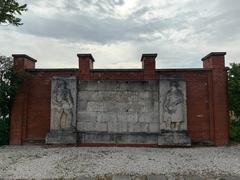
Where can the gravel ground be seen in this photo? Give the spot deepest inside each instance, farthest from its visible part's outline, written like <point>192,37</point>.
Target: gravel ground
<point>70,162</point>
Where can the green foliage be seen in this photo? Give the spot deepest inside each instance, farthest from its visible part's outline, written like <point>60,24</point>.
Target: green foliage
<point>235,130</point>
<point>4,128</point>
<point>9,9</point>
<point>9,83</point>
<point>234,89</point>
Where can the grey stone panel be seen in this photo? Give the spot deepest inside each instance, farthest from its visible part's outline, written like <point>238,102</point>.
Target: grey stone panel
<point>118,102</point>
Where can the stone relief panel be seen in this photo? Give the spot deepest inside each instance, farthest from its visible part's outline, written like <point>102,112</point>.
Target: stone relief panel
<point>63,103</point>
<point>172,96</point>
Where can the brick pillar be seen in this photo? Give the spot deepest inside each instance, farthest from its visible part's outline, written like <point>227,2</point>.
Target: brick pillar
<point>85,65</point>
<point>148,65</point>
<point>216,62</point>
<point>18,110</point>
<point>23,61</point>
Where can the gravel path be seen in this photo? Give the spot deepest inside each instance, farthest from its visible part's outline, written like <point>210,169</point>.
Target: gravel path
<point>70,162</point>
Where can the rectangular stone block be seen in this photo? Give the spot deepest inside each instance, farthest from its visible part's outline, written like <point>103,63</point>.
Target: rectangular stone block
<point>138,127</point>
<point>86,126</point>
<point>127,117</point>
<point>87,116</point>
<point>96,138</point>
<point>106,116</point>
<point>154,127</point>
<point>117,127</point>
<point>95,106</point>
<point>145,117</point>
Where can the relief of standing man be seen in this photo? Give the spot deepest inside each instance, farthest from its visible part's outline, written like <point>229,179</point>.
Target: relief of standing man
<point>173,112</point>
<point>62,101</point>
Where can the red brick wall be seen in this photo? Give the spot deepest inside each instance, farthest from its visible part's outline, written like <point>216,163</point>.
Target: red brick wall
<point>206,98</point>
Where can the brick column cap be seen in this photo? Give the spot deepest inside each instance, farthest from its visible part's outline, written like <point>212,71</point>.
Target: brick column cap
<point>86,56</point>
<point>213,54</point>
<point>24,56</point>
<point>148,56</point>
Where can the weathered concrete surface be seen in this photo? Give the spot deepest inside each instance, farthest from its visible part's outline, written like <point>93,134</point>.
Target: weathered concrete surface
<point>63,111</point>
<point>117,107</point>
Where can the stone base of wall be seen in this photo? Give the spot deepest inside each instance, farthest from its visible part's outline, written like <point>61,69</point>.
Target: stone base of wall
<point>161,139</point>
<point>178,138</point>
<point>61,137</point>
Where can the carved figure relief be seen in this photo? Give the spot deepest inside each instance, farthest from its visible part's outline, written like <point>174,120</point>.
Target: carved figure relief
<point>173,112</point>
<point>62,102</point>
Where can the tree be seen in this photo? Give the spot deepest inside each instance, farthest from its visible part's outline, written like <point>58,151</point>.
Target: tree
<point>9,9</point>
<point>10,80</point>
<point>234,88</point>
<point>234,100</point>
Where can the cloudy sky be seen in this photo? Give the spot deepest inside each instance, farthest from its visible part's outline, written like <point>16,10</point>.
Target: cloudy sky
<point>117,32</point>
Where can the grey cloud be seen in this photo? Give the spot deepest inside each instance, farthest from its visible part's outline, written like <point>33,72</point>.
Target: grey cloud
<point>90,28</point>
<point>101,6</point>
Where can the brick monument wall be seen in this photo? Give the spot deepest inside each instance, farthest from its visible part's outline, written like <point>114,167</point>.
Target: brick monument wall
<point>206,91</point>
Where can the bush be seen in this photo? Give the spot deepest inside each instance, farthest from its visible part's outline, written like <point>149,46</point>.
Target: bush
<point>235,130</point>
<point>4,131</point>
<point>10,80</point>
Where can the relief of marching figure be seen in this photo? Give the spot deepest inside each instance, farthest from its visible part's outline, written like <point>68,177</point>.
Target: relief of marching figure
<point>62,105</point>
<point>173,107</point>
